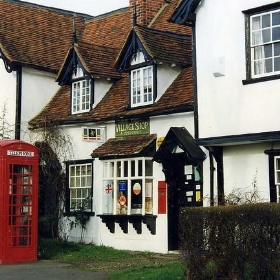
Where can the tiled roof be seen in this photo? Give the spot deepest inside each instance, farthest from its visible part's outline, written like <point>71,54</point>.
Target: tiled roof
<point>109,30</point>
<point>36,36</point>
<point>177,98</point>
<point>108,33</point>
<point>97,60</point>
<point>165,46</point>
<point>179,136</point>
<point>162,21</point>
<point>159,46</point>
<point>132,145</point>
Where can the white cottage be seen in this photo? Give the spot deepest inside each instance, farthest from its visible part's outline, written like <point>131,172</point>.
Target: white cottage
<point>30,59</point>
<point>237,71</point>
<point>126,100</point>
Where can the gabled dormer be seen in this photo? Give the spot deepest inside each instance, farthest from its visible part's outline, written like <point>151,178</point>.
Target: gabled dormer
<point>136,60</point>
<point>150,55</point>
<point>88,71</point>
<point>73,73</point>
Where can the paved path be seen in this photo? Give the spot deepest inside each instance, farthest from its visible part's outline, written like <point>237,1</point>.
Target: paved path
<point>46,270</point>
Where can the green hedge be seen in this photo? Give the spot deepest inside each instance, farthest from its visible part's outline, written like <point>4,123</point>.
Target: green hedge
<point>231,242</point>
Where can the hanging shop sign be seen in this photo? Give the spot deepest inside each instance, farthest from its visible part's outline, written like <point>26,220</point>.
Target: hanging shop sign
<point>132,127</point>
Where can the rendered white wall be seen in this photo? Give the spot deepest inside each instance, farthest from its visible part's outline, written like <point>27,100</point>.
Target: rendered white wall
<point>37,90</point>
<point>165,77</point>
<point>7,97</point>
<point>97,232</point>
<point>244,165</point>
<point>226,106</point>
<point>101,87</point>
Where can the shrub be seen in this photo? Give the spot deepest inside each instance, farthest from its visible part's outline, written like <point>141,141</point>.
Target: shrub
<point>231,242</point>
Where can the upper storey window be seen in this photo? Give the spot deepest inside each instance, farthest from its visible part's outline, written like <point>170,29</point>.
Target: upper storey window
<point>81,92</point>
<point>265,43</point>
<point>142,81</point>
<point>142,86</point>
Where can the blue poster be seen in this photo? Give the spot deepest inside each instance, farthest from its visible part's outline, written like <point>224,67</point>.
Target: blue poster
<point>122,186</point>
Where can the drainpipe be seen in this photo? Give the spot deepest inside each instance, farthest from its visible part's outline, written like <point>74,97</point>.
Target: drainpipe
<point>196,129</point>
<point>212,169</point>
<point>218,154</point>
<point>18,103</point>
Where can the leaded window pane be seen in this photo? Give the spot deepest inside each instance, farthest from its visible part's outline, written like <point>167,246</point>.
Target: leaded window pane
<point>81,96</point>
<point>277,64</point>
<point>142,87</point>
<point>80,184</point>
<point>268,65</point>
<point>266,21</point>
<point>276,18</point>
<point>265,40</point>
<point>276,33</point>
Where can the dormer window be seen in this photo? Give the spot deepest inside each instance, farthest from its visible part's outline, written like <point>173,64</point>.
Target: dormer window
<point>142,86</point>
<point>142,81</point>
<point>81,92</point>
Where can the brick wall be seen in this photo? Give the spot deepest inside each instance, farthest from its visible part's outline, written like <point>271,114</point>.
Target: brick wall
<point>147,9</point>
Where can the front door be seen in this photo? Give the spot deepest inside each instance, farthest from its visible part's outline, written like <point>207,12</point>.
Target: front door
<point>184,189</point>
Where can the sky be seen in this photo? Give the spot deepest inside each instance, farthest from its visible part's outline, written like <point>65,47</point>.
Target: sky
<point>91,7</point>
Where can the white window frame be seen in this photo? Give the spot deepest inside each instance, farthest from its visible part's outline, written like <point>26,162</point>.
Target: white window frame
<point>80,185</point>
<point>277,170</point>
<point>277,176</point>
<point>129,170</point>
<point>142,86</point>
<point>96,134</point>
<point>265,44</point>
<point>81,96</point>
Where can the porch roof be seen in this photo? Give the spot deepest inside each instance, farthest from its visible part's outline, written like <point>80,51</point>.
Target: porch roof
<point>179,141</point>
<point>139,145</point>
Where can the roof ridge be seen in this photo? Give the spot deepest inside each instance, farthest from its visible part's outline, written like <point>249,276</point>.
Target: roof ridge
<point>163,32</point>
<point>95,46</point>
<point>108,14</point>
<point>53,9</point>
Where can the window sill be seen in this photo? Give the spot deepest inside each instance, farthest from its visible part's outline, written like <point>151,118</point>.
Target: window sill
<point>136,220</point>
<point>259,80</point>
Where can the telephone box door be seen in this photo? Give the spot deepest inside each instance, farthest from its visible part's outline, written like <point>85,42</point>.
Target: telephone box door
<point>20,198</point>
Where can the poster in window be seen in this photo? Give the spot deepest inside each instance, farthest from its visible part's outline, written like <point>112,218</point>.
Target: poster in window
<point>108,197</point>
<point>149,198</point>
<point>122,198</point>
<point>136,197</point>
<point>122,186</point>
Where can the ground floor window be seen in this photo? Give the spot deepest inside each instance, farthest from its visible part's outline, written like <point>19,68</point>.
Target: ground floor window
<point>277,176</point>
<point>128,186</point>
<point>79,175</point>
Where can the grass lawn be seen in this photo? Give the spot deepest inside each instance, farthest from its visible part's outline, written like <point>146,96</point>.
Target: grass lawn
<point>118,264</point>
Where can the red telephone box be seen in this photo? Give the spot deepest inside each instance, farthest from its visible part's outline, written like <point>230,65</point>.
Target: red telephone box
<point>18,201</point>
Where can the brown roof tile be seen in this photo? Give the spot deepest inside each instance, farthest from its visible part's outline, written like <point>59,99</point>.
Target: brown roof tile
<point>36,36</point>
<point>166,46</point>
<point>109,30</point>
<point>132,145</point>
<point>115,104</point>
<point>97,60</point>
<point>161,22</point>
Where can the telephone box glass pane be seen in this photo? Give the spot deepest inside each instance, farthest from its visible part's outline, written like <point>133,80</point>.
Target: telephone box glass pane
<point>20,204</point>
